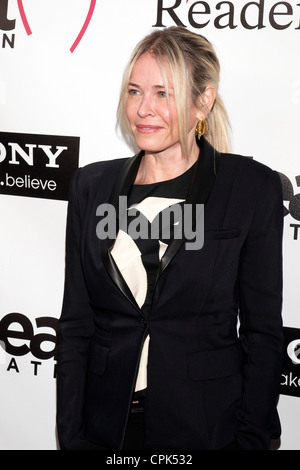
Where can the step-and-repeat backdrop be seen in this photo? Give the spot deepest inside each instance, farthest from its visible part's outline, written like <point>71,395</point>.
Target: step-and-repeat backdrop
<point>61,63</point>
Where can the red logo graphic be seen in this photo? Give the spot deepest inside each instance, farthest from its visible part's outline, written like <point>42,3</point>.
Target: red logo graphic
<point>81,33</point>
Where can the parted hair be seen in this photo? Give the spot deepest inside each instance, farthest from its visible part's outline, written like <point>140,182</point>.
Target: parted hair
<point>194,65</point>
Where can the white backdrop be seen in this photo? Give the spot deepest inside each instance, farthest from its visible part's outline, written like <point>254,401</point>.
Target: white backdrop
<point>47,89</point>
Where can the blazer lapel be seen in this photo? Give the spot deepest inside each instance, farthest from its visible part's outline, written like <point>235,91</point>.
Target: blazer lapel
<point>201,186</point>
<point>200,189</point>
<point>122,186</point>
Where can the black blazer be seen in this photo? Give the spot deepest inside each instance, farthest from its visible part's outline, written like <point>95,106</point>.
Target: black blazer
<point>208,385</point>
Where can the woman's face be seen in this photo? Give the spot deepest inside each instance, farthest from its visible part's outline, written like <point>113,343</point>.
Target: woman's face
<point>153,122</point>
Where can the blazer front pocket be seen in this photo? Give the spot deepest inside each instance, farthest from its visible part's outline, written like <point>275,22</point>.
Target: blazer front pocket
<point>215,363</point>
<point>98,358</point>
<point>221,234</point>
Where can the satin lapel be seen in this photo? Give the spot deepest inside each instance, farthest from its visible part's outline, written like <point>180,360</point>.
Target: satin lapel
<point>121,187</point>
<point>201,186</point>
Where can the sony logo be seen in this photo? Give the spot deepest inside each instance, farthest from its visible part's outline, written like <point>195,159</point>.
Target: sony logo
<point>15,152</point>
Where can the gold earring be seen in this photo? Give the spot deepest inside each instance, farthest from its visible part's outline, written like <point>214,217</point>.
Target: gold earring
<point>202,127</point>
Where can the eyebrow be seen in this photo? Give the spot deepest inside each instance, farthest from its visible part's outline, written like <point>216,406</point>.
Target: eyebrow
<point>135,85</point>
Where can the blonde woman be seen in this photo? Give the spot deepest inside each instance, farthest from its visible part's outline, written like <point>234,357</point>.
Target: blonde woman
<point>166,253</point>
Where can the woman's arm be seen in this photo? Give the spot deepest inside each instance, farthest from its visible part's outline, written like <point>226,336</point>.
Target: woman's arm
<point>260,319</point>
<point>75,328</point>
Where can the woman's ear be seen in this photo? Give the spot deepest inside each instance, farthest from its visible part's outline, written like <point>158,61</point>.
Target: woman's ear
<point>206,100</point>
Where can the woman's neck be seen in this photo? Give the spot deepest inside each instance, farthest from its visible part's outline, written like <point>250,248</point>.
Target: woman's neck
<point>161,167</point>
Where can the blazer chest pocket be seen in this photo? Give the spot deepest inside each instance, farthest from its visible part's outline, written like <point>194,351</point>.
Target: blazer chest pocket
<point>98,358</point>
<point>221,234</point>
<point>215,363</point>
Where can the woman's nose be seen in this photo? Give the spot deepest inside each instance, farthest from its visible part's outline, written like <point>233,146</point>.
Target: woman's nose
<point>146,107</point>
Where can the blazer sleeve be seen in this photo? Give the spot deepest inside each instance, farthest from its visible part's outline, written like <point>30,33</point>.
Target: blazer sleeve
<point>260,319</point>
<point>75,328</point>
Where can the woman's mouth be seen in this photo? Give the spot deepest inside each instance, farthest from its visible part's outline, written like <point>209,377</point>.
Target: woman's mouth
<point>147,129</point>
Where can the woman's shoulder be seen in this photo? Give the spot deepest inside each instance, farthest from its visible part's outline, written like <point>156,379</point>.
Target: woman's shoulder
<point>94,169</point>
<point>87,179</point>
<point>249,176</point>
<point>95,172</point>
<point>244,165</point>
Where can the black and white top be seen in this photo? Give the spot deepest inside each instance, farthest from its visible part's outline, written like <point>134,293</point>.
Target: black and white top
<point>138,250</point>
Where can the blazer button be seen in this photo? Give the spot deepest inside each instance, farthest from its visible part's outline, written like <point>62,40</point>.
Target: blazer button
<point>143,323</point>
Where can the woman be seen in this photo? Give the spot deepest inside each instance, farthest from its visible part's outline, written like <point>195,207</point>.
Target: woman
<point>149,353</point>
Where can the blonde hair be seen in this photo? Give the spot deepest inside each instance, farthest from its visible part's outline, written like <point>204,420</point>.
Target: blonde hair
<point>193,64</point>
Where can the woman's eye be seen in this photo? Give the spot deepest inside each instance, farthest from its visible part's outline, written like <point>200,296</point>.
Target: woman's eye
<point>132,92</point>
<point>162,94</point>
